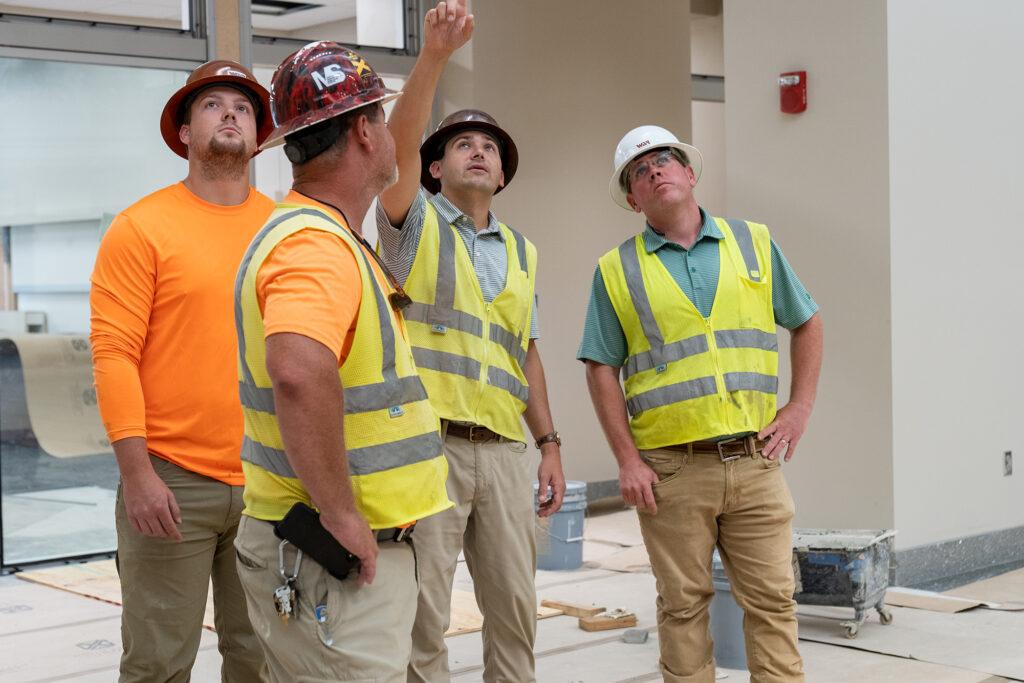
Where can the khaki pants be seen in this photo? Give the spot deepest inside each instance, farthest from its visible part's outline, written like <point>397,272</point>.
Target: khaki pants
<point>164,585</point>
<point>364,635</point>
<point>493,522</point>
<point>744,507</point>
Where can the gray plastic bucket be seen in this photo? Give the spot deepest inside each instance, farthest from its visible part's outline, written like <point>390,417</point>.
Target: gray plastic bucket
<point>726,621</point>
<point>560,536</point>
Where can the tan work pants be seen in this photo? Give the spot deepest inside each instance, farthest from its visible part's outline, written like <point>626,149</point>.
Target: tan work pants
<point>493,522</point>
<point>364,634</point>
<point>744,507</point>
<point>164,585</point>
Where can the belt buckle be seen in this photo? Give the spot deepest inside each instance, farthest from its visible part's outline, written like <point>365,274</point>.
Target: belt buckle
<point>728,458</point>
<point>472,432</point>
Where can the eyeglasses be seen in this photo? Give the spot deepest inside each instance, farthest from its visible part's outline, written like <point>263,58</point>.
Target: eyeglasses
<point>642,168</point>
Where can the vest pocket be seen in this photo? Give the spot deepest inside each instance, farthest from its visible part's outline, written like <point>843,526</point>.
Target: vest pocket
<point>668,465</point>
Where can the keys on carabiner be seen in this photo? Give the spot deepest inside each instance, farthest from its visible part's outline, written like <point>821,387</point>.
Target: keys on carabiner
<point>286,595</point>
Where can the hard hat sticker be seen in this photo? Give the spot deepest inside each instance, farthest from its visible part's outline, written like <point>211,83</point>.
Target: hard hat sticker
<point>358,62</point>
<point>331,75</point>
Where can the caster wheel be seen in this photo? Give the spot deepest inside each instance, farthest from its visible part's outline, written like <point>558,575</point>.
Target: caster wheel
<point>885,616</point>
<point>851,631</point>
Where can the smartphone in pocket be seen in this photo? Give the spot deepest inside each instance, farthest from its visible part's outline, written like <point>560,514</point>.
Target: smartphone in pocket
<point>302,528</point>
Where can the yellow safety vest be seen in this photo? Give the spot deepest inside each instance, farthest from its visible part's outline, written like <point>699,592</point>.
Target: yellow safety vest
<point>392,434</point>
<point>689,378</point>
<point>471,353</point>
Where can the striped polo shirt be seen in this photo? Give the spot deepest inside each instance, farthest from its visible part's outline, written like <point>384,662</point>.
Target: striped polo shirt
<point>695,270</point>
<point>486,247</point>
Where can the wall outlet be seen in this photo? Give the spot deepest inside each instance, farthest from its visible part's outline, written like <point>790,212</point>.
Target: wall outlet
<point>1007,463</point>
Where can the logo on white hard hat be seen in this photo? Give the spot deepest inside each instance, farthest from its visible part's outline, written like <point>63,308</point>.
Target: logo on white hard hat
<point>332,75</point>
<point>643,144</point>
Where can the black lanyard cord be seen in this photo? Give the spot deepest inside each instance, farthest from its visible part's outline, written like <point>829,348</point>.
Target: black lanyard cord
<point>398,298</point>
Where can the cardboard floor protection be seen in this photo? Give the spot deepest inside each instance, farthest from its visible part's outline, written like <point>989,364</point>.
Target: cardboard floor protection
<point>943,602</point>
<point>634,559</point>
<point>99,580</point>
<point>936,602</point>
<point>619,528</point>
<point>1006,590</point>
<point>982,640</point>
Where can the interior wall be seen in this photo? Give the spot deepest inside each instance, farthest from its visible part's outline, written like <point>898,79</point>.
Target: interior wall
<point>956,145</point>
<point>567,88</point>
<point>819,180</point>
<point>707,57</point>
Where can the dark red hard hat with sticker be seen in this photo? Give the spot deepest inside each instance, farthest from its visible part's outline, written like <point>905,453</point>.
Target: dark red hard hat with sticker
<point>320,81</point>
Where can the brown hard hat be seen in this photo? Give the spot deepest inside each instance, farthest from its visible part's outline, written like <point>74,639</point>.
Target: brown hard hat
<point>432,148</point>
<point>216,72</point>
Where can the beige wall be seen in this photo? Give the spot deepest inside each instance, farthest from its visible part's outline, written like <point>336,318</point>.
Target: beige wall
<point>559,77</point>
<point>707,49</point>
<point>819,180</point>
<point>707,57</point>
<point>957,245</point>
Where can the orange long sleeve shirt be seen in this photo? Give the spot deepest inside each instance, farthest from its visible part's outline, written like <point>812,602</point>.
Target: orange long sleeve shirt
<point>163,333</point>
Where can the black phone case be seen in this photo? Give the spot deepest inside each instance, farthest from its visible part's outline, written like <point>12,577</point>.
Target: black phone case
<point>302,528</point>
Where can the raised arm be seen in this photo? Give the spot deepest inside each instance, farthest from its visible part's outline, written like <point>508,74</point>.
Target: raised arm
<point>446,28</point>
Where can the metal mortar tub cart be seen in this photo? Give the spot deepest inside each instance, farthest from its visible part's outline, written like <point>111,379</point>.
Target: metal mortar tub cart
<point>844,568</point>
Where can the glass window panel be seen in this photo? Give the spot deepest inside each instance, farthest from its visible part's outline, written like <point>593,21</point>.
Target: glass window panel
<point>375,23</point>
<point>78,143</point>
<point>156,13</point>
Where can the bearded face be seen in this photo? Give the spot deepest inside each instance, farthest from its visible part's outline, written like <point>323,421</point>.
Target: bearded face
<point>221,132</point>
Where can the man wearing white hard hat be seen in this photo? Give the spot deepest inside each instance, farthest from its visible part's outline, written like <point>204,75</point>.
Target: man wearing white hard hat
<point>687,311</point>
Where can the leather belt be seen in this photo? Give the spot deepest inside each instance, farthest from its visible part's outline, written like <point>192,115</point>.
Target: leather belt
<point>396,534</point>
<point>729,449</point>
<point>472,433</point>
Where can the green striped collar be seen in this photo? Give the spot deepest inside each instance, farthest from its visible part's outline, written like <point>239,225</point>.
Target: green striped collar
<point>451,214</point>
<point>654,240</point>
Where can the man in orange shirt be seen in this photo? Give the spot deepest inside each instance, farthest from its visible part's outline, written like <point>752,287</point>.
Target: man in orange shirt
<point>164,359</point>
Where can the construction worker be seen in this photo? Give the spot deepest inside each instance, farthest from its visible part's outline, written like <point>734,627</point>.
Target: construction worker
<point>335,413</point>
<point>473,322</point>
<point>687,312</point>
<point>161,301</point>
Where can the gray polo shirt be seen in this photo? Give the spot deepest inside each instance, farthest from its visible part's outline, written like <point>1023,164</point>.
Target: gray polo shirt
<point>486,247</point>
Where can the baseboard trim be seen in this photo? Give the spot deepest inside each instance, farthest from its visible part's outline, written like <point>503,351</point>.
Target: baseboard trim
<point>949,563</point>
<point>607,488</point>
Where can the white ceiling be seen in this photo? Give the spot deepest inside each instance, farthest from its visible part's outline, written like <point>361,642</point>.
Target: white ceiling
<point>170,10</point>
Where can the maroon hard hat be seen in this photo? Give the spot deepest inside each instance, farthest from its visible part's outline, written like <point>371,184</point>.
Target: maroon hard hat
<point>320,81</point>
<point>216,72</point>
<point>432,148</point>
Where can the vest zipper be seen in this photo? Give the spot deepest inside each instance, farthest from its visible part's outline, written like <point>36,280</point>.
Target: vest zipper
<point>485,361</point>
<point>713,350</point>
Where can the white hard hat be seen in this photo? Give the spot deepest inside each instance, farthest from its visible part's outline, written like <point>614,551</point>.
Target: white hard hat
<point>641,141</point>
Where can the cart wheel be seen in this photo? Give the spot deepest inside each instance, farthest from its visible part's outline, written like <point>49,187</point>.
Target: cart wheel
<point>885,616</point>
<point>851,630</point>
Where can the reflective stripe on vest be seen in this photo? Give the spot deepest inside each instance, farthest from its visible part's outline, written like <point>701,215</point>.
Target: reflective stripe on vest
<point>415,441</point>
<point>716,375</point>
<point>471,346</point>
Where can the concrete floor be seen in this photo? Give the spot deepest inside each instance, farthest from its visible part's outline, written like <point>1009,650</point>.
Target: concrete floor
<point>50,635</point>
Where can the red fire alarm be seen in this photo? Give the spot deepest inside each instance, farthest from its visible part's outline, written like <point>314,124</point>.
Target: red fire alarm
<point>793,92</point>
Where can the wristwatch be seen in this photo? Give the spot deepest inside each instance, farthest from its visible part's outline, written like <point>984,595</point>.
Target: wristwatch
<point>548,438</point>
